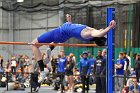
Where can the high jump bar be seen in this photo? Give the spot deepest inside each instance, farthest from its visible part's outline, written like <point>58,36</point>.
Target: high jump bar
<point>49,44</point>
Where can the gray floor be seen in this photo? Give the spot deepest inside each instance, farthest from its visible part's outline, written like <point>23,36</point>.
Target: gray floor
<point>42,90</point>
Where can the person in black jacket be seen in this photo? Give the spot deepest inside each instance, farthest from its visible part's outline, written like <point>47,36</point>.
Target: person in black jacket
<point>137,66</point>
<point>1,60</point>
<point>69,72</point>
<point>99,71</point>
<point>84,70</point>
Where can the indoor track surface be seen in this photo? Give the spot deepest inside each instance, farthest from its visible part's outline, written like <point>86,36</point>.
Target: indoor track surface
<point>42,90</point>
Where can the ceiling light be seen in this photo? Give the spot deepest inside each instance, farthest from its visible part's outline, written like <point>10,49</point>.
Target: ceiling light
<point>20,0</point>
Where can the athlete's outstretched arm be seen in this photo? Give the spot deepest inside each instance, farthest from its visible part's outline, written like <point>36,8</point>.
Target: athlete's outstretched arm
<point>103,32</point>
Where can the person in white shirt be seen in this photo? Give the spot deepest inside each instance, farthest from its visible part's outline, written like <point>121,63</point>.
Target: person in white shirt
<point>13,65</point>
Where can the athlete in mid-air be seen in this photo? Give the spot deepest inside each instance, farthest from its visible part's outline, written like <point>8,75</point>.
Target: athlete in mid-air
<point>62,34</point>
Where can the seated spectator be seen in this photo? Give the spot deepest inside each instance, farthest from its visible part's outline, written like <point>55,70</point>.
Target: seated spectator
<point>129,83</point>
<point>135,88</point>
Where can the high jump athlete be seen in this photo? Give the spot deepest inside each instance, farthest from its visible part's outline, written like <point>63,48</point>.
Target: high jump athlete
<point>62,34</point>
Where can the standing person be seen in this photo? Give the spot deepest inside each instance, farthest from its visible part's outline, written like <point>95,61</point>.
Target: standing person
<point>13,66</point>
<point>92,61</point>
<point>103,79</point>
<point>69,72</point>
<point>65,32</point>
<point>54,64</point>
<point>137,66</point>
<point>99,70</point>
<point>7,66</point>
<point>61,69</point>
<point>27,60</point>
<point>21,64</point>
<point>129,58</point>
<point>127,64</point>
<point>1,60</point>
<point>72,56</point>
<point>85,71</point>
<point>89,54</point>
<point>1,73</point>
<point>119,67</point>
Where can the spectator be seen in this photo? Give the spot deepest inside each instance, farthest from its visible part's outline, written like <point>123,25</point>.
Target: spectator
<point>1,69</point>
<point>13,65</point>
<point>129,83</point>
<point>103,79</point>
<point>69,72</point>
<point>21,64</point>
<point>34,67</point>
<point>27,60</point>
<point>73,58</point>
<point>129,58</point>
<point>92,61</point>
<point>133,60</point>
<point>27,70</point>
<point>137,66</point>
<point>46,60</point>
<point>1,72</point>
<point>7,66</point>
<point>135,88</point>
<point>61,68</point>
<point>1,60</point>
<point>119,66</point>
<point>99,70</point>
<point>127,63</point>
<point>85,67</point>
<point>89,54</point>
<point>54,64</point>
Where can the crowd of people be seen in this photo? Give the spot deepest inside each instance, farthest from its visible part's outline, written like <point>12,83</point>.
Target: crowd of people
<point>127,78</point>
<point>88,70</point>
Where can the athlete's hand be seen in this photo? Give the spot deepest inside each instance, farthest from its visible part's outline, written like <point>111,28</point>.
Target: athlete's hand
<point>112,24</point>
<point>68,17</point>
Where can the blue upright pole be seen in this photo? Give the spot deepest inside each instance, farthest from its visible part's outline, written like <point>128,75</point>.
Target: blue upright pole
<point>110,52</point>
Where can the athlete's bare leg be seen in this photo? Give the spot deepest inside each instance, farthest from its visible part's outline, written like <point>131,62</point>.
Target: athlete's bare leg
<point>36,51</point>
